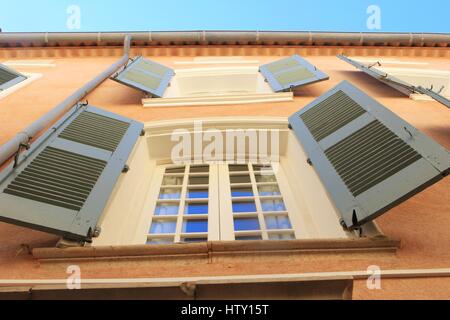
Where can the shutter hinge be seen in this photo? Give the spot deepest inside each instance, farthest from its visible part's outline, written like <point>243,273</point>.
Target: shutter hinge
<point>16,156</point>
<point>126,168</point>
<point>309,162</point>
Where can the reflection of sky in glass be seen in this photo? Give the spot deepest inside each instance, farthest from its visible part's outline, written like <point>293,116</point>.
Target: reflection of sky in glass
<point>273,205</point>
<point>242,207</point>
<point>246,224</point>
<point>196,208</point>
<point>241,192</point>
<point>198,194</point>
<point>166,209</point>
<point>170,194</point>
<point>279,223</point>
<point>194,226</point>
<point>269,191</point>
<point>163,227</point>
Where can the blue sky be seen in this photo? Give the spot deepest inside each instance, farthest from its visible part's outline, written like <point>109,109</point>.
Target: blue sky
<point>141,15</point>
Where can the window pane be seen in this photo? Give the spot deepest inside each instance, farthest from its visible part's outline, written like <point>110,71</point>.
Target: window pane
<point>248,238</point>
<point>288,236</point>
<point>198,180</point>
<point>173,181</point>
<point>166,209</point>
<point>195,226</point>
<point>175,170</point>
<point>269,191</point>
<point>194,240</point>
<point>242,192</point>
<point>196,208</point>
<point>265,178</point>
<point>246,224</point>
<point>240,179</point>
<point>262,167</point>
<point>160,241</point>
<point>244,206</point>
<point>237,167</point>
<point>163,227</point>
<point>278,223</point>
<point>170,194</point>
<point>199,169</point>
<point>273,205</point>
<point>198,193</point>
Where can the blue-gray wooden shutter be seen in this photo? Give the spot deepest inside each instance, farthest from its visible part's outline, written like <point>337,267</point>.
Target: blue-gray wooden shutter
<point>145,75</point>
<point>368,158</point>
<point>63,183</point>
<point>396,83</point>
<point>289,73</point>
<point>9,77</point>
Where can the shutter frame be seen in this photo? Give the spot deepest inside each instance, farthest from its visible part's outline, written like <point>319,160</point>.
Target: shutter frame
<point>394,82</point>
<point>133,66</point>
<point>18,77</point>
<point>317,75</point>
<point>70,224</point>
<point>358,210</point>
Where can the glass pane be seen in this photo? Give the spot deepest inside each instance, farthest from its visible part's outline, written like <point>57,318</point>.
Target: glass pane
<point>163,227</point>
<point>196,208</point>
<point>175,170</point>
<point>262,167</point>
<point>273,205</point>
<point>244,206</point>
<point>265,178</point>
<point>166,209</point>
<point>238,167</point>
<point>199,169</point>
<point>170,194</point>
<point>240,179</point>
<point>194,240</point>
<point>242,192</point>
<point>198,193</point>
<point>173,181</point>
<point>160,241</point>
<point>248,238</point>
<point>198,180</point>
<point>269,191</point>
<point>288,236</point>
<point>195,226</point>
<point>278,223</point>
<point>246,224</point>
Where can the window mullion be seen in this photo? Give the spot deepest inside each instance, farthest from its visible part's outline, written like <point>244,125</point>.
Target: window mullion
<point>262,222</point>
<point>180,218</point>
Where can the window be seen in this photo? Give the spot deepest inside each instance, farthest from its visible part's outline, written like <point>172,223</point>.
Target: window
<point>198,203</point>
<point>9,78</point>
<point>183,211</point>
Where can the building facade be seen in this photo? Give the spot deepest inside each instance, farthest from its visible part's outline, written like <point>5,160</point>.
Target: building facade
<point>215,165</point>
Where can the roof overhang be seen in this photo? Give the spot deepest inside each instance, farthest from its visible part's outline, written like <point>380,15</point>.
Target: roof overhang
<point>192,38</point>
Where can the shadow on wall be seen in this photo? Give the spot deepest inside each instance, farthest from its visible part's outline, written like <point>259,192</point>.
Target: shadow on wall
<point>365,81</point>
<point>440,134</point>
<point>113,93</point>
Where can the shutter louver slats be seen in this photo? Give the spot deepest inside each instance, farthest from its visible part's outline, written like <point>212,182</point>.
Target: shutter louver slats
<point>63,183</point>
<point>289,73</point>
<point>146,75</point>
<point>372,160</point>
<point>9,77</point>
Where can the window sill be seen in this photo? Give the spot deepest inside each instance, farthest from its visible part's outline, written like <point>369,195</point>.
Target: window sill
<point>332,246</point>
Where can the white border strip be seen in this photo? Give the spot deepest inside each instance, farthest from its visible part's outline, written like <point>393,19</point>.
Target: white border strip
<point>31,77</point>
<point>357,275</point>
